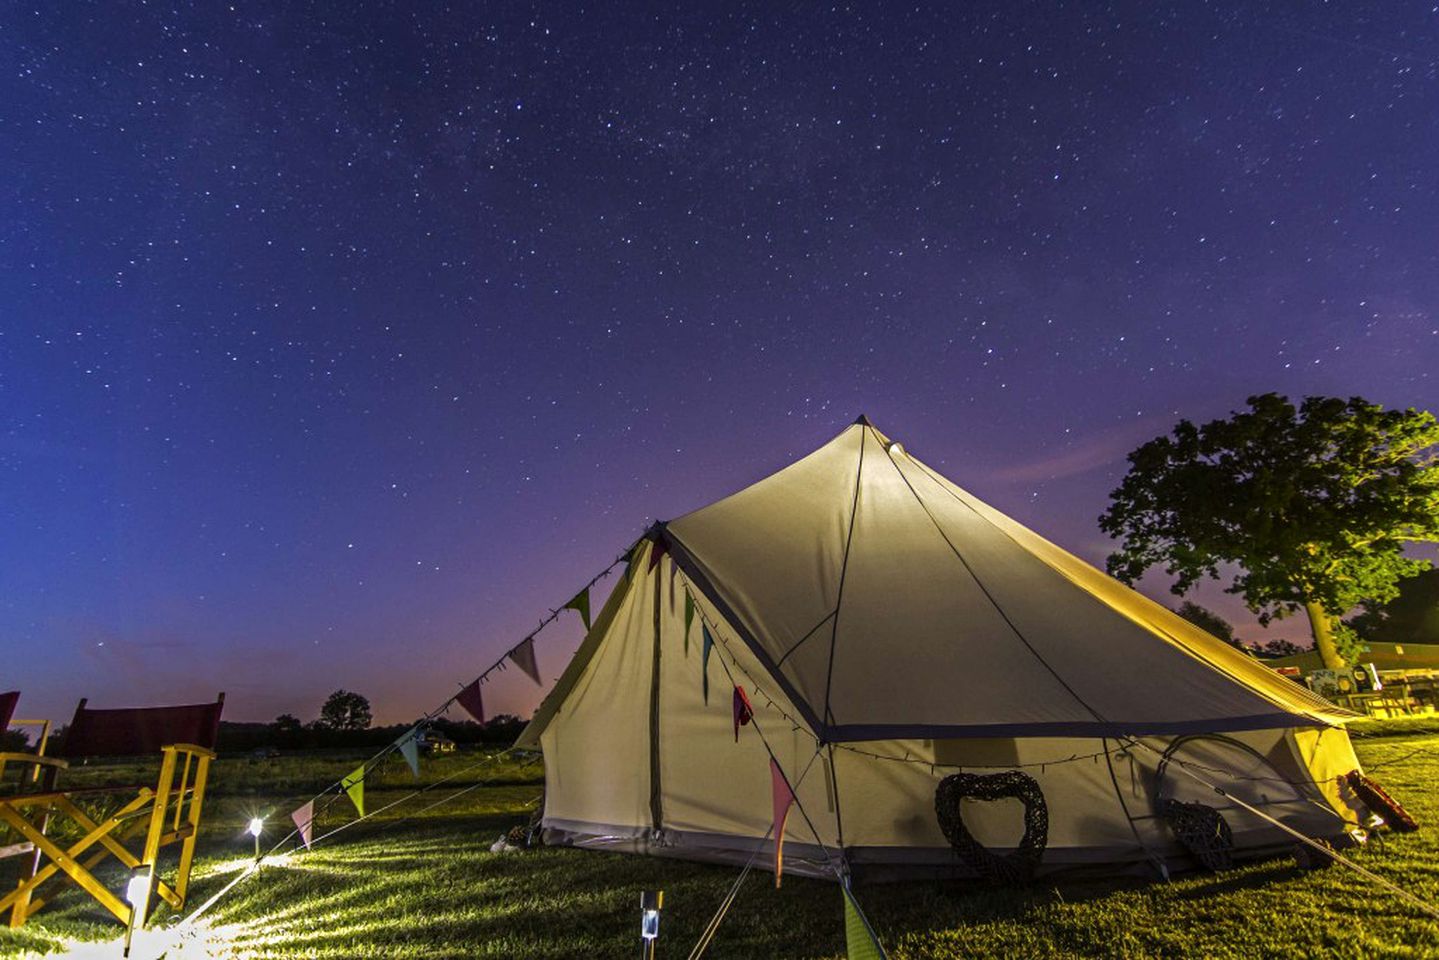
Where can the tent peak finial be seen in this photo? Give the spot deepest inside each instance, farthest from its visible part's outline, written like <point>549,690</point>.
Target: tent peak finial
<point>863,421</point>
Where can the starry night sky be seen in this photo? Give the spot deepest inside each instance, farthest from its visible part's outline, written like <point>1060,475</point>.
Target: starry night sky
<point>337,345</point>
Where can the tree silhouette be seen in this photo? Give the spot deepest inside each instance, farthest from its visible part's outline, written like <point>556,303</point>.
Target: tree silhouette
<point>344,710</point>
<point>1312,506</point>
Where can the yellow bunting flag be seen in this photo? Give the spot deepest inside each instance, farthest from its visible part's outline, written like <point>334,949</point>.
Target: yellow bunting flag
<point>859,940</point>
<point>354,785</point>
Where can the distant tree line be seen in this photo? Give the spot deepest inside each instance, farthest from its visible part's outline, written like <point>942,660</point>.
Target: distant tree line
<point>345,722</point>
<point>1411,617</point>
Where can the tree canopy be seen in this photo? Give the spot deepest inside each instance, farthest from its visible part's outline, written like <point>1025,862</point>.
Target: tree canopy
<point>344,710</point>
<point>1208,620</point>
<point>1305,508</point>
<point>1410,617</point>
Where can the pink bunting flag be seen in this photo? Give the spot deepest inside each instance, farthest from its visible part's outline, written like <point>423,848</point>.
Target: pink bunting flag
<point>470,699</point>
<point>524,658</point>
<point>783,800</point>
<point>743,710</point>
<point>304,819</point>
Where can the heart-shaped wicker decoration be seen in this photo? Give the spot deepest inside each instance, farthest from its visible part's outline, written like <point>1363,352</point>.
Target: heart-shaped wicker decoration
<point>1003,868</point>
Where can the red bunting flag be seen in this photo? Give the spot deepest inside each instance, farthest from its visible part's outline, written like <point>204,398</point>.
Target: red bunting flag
<point>657,552</point>
<point>783,800</point>
<point>472,701</point>
<point>304,818</point>
<point>524,658</point>
<point>743,710</point>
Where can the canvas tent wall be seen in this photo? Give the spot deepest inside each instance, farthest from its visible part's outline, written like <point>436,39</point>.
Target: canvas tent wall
<point>891,629</point>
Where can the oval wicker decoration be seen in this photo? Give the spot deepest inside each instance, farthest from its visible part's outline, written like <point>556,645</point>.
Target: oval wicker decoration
<point>1202,830</point>
<point>1013,867</point>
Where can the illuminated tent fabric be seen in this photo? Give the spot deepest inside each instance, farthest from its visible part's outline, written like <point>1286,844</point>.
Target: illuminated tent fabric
<point>877,608</point>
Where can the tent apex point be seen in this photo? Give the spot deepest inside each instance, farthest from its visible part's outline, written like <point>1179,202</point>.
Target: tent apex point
<point>863,421</point>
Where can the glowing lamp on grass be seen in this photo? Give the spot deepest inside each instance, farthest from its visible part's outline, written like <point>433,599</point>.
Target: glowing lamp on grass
<point>256,827</point>
<point>137,892</point>
<point>650,903</point>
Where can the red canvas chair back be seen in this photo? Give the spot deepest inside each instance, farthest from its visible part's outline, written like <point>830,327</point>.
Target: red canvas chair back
<point>132,731</point>
<point>7,708</point>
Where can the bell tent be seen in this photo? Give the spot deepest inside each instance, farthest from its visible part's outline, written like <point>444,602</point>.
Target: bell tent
<point>889,630</point>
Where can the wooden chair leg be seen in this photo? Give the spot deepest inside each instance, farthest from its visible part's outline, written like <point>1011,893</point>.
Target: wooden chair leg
<point>20,909</point>
<point>157,827</point>
<point>187,849</point>
<point>100,834</point>
<point>66,861</point>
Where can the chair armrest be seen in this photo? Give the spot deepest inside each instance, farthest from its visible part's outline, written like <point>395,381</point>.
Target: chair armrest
<point>30,758</point>
<point>196,749</point>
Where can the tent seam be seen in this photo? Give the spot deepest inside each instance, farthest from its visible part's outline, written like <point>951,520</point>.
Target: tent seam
<point>843,572</point>
<point>800,642</point>
<point>988,596</point>
<point>688,563</point>
<point>1153,628</point>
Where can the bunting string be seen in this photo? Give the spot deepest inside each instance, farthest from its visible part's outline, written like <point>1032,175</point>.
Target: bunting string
<point>419,791</point>
<point>304,825</point>
<point>337,789</point>
<point>799,725</point>
<point>711,629</point>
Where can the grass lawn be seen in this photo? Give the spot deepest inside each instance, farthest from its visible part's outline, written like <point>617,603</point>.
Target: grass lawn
<point>429,887</point>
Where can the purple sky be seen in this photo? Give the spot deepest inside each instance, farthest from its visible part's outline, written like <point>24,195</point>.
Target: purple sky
<point>338,345</point>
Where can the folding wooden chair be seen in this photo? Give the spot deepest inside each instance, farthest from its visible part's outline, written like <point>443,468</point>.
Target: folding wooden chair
<point>164,812</point>
<point>27,762</point>
<point>8,719</point>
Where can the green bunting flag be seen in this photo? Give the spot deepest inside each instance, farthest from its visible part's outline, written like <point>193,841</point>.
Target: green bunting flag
<point>705,660</point>
<point>689,619</point>
<point>581,604</point>
<point>859,940</point>
<point>354,785</point>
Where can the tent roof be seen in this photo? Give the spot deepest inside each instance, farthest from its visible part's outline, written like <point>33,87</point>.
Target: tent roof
<point>889,603</point>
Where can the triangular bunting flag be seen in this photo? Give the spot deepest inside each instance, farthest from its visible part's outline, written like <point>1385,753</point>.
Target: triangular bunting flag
<point>524,658</point>
<point>470,699</point>
<point>657,553</point>
<point>705,659</point>
<point>410,750</point>
<point>304,818</point>
<point>689,619</point>
<point>859,940</point>
<point>783,800</point>
<point>354,785</point>
<point>743,711</point>
<point>580,603</point>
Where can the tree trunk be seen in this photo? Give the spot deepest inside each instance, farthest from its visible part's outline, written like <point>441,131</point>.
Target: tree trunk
<point>1322,625</point>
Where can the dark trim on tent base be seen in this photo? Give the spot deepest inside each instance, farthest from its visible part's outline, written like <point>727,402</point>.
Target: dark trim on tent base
<point>893,864</point>
<point>846,732</point>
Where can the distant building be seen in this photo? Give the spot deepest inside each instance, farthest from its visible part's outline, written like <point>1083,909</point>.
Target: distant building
<point>1407,675</point>
<point>1415,658</point>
